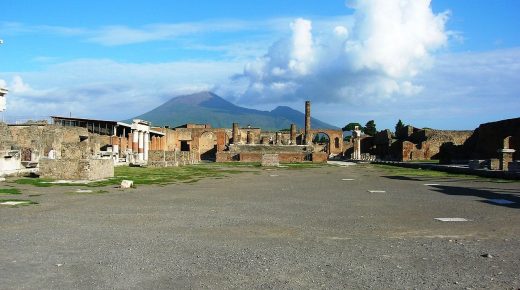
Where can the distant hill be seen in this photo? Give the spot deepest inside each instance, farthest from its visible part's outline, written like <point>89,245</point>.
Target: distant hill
<point>208,108</point>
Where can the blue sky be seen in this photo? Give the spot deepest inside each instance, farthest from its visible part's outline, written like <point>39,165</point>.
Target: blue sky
<point>447,65</point>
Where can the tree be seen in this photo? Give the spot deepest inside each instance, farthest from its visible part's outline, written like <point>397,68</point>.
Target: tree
<point>398,127</point>
<point>351,126</point>
<point>324,139</point>
<point>370,128</point>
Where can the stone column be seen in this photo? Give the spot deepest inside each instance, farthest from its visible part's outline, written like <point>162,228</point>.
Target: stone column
<point>235,133</point>
<point>146,145</point>
<point>293,134</point>
<point>505,155</point>
<point>356,134</point>
<point>249,137</point>
<point>308,123</point>
<point>115,150</point>
<point>141,146</point>
<point>278,138</point>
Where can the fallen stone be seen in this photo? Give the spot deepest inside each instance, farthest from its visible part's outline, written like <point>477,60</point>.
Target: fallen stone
<point>83,191</point>
<point>452,219</point>
<point>14,202</point>
<point>127,183</point>
<point>486,255</point>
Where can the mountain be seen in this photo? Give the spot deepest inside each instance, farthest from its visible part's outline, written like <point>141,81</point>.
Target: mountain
<point>208,108</point>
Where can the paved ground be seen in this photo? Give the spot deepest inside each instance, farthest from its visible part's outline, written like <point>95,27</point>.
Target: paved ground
<point>267,229</point>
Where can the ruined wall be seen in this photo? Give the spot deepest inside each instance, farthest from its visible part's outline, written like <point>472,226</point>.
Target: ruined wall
<point>160,158</point>
<point>489,138</point>
<point>74,169</point>
<point>270,148</point>
<point>40,139</point>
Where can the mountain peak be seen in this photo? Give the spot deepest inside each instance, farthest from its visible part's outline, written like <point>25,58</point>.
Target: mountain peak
<point>208,108</point>
<point>194,99</point>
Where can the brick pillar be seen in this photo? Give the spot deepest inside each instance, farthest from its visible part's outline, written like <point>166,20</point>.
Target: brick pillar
<point>135,141</point>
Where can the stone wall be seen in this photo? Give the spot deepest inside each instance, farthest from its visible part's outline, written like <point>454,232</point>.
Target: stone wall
<point>270,148</point>
<point>227,156</point>
<point>76,169</point>
<point>489,138</point>
<point>160,158</point>
<point>319,157</point>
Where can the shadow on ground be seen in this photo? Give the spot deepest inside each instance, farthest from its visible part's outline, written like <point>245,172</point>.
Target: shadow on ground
<point>490,195</point>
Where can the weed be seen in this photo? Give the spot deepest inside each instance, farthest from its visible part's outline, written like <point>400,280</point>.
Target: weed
<point>9,191</point>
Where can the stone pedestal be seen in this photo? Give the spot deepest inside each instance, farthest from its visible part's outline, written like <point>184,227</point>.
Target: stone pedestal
<point>270,160</point>
<point>505,157</point>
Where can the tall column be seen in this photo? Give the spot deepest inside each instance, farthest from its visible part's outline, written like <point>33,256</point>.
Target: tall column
<point>293,134</point>
<point>235,133</point>
<point>146,145</point>
<point>308,123</point>
<point>135,141</point>
<point>141,146</point>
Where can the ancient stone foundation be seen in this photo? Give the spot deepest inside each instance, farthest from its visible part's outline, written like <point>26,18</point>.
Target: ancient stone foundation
<point>159,158</point>
<point>76,169</point>
<point>270,160</point>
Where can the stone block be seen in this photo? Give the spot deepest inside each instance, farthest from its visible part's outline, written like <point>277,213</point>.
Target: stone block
<point>127,183</point>
<point>270,160</point>
<point>494,164</point>
<point>319,157</point>
<point>72,169</point>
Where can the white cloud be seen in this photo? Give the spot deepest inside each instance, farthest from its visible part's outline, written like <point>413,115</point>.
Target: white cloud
<point>374,57</point>
<point>98,88</point>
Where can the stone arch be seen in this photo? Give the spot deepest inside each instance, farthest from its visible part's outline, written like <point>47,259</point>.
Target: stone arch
<point>321,141</point>
<point>208,145</point>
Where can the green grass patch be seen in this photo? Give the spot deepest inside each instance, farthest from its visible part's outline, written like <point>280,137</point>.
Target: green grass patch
<point>412,172</point>
<point>420,172</point>
<point>23,202</point>
<point>9,191</point>
<point>39,182</point>
<point>168,175</point>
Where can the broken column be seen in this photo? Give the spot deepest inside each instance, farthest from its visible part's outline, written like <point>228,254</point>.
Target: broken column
<point>278,139</point>
<point>293,135</point>
<point>505,155</point>
<point>235,133</point>
<point>250,137</point>
<point>308,135</point>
